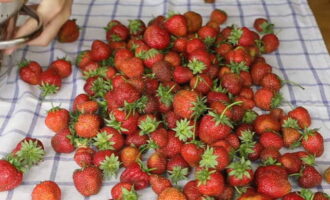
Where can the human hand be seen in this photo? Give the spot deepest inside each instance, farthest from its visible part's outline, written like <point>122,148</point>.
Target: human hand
<point>53,14</point>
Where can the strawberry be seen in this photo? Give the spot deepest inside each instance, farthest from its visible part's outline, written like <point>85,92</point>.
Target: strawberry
<point>100,51</point>
<point>87,125</point>
<point>195,44</point>
<point>290,132</point>
<point>63,67</point>
<point>10,176</point>
<point>129,155</point>
<point>182,74</point>
<point>108,162</point>
<point>313,142</point>
<point>83,58</point>
<point>132,67</point>
<point>301,115</point>
<point>270,43</point>
<point>160,137</point>
<point>156,37</point>
<point>29,71</point>
<point>238,55</point>
<point>88,107</point>
<point>291,162</point>
<point>227,194</point>
<point>61,143</point>
<point>266,122</point>
<point>191,153</point>
<point>320,196</point>
<point>194,21</point>
<point>69,31</point>
<point>240,173</point>
<point>180,44</point>
<point>50,82</point>
<point>201,83</point>
<point>84,156</point>
<point>215,158</point>
<point>267,99</point>
<point>253,195</point>
<point>178,168</point>
<point>232,83</point>
<point>271,81</point>
<point>159,183</point>
<point>99,156</point>
<point>135,175</point>
<point>46,190</point>
<point>162,71</point>
<point>309,177</point>
<point>109,138</point>
<point>136,140</point>
<point>241,36</point>
<point>223,48</point>
<point>187,104</point>
<point>269,155</point>
<point>176,24</point>
<point>57,119</point>
<point>29,151</point>
<point>258,71</point>
<point>271,140</point>
<point>136,27</point>
<point>263,26</point>
<point>88,181</point>
<point>123,191</point>
<point>209,183</point>
<point>219,16</point>
<point>190,190</point>
<point>293,196</point>
<point>157,162</point>
<point>173,146</point>
<point>117,33</point>
<point>123,122</point>
<point>326,175</point>
<point>150,57</point>
<point>171,193</point>
<point>208,34</point>
<point>173,58</point>
<point>81,98</point>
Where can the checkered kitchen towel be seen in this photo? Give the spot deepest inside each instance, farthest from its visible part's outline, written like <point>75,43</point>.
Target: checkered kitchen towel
<point>302,57</point>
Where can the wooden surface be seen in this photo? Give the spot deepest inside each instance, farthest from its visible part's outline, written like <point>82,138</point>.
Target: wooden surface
<point>321,10</point>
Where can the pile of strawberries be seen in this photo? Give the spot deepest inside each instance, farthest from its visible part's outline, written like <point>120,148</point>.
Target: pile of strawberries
<point>176,98</point>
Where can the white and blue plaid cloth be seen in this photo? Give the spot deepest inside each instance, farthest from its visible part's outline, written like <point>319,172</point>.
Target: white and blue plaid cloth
<point>302,58</point>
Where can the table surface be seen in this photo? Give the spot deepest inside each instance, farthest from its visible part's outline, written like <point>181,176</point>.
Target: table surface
<point>302,57</point>
<point>321,10</point>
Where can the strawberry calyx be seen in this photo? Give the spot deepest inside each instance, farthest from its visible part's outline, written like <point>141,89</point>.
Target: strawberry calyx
<point>199,107</point>
<point>238,67</point>
<point>209,41</point>
<point>270,161</point>
<point>115,38</point>
<point>112,122</point>
<point>165,94</point>
<point>107,62</point>
<point>103,141</point>
<point>184,131</point>
<point>218,87</point>
<point>306,194</point>
<point>247,136</point>
<point>247,143</point>
<point>308,160</point>
<point>203,176</point>
<point>171,13</point>
<point>148,125</point>
<point>196,66</point>
<point>249,116</point>
<point>101,72</point>
<point>54,109</point>
<point>144,167</point>
<point>240,169</point>
<point>138,105</point>
<point>101,86</point>
<point>151,144</point>
<point>129,194</point>
<point>290,123</point>
<point>16,162</point>
<point>276,100</point>
<point>23,63</point>
<point>267,28</point>
<point>48,89</point>
<point>308,132</point>
<point>134,26</point>
<point>235,35</point>
<point>222,118</point>
<point>79,141</point>
<point>198,143</point>
<point>149,54</point>
<point>178,173</point>
<point>110,166</point>
<point>80,56</point>
<point>209,159</point>
<point>261,46</point>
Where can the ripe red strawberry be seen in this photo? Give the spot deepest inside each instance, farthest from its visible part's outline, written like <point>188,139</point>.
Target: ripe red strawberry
<point>136,27</point>
<point>100,51</point>
<point>270,43</point>
<point>117,33</point>
<point>241,36</point>
<point>195,44</point>
<point>219,16</point>
<point>81,98</point>
<point>136,140</point>
<point>83,58</point>
<point>84,156</point>
<point>156,37</point>
<point>232,82</point>
<point>215,158</point>
<point>162,70</point>
<point>267,99</point>
<point>271,81</point>
<point>29,71</point>
<point>135,175</point>
<point>171,193</point>
<point>150,56</point>
<point>209,183</point>
<point>129,155</point>
<point>173,146</point>
<point>109,138</point>
<point>201,83</point>
<point>63,67</point>
<point>123,191</point>
<point>173,58</point>
<point>123,121</point>
<point>88,181</point>
<point>293,196</point>
<point>271,140</point>
<point>46,190</point>
<point>240,173</point>
<point>87,125</point>
<point>160,137</point>
<point>190,190</point>
<point>227,194</point>
<point>132,67</point>
<point>61,143</point>
<point>10,176</point>
<point>69,31</point>
<point>191,153</point>
<point>313,142</point>
<point>257,149</point>
<point>263,26</point>
<point>309,177</point>
<point>50,82</point>
<point>194,21</point>
<point>176,25</point>
<point>182,74</point>
<point>159,183</point>
<point>88,107</point>
<point>290,132</point>
<point>185,104</point>
<point>301,115</point>
<point>57,119</point>
<point>266,122</point>
<point>178,168</point>
<point>157,162</point>
<point>320,196</point>
<point>250,194</point>
<point>238,55</point>
<point>269,155</point>
<point>291,162</point>
<point>208,34</point>
<point>258,71</point>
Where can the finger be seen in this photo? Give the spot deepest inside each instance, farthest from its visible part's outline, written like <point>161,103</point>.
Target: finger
<point>48,9</point>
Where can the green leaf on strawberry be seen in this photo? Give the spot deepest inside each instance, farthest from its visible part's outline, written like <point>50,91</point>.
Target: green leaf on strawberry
<point>112,122</point>
<point>209,159</point>
<point>290,123</point>
<point>48,89</point>
<point>129,194</point>
<point>308,160</point>
<point>240,168</point>
<point>165,94</point>
<point>101,86</point>
<point>136,106</point>
<point>102,141</point>
<point>101,72</point>
<point>306,194</point>
<point>267,28</point>
<point>29,154</point>
<point>249,116</point>
<point>235,35</point>
<point>203,176</point>
<point>148,125</point>
<point>110,166</point>
<point>238,67</point>
<point>196,66</point>
<point>276,100</point>
<point>184,131</point>
<point>199,107</point>
<point>178,173</point>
